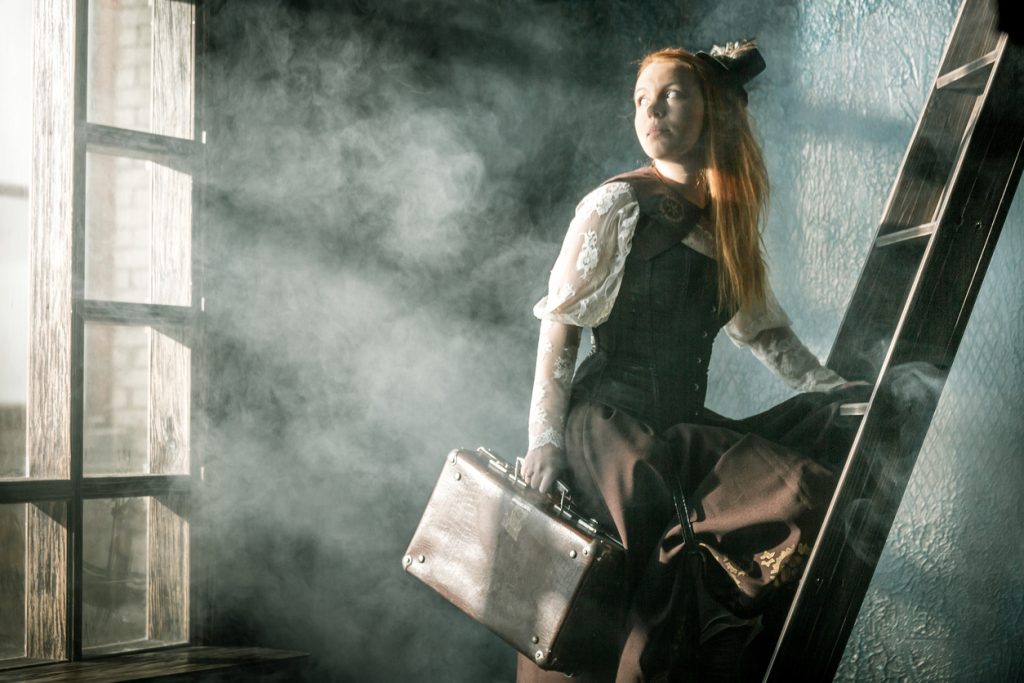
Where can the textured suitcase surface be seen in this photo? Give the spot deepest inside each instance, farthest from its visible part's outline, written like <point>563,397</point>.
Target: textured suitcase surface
<point>535,572</point>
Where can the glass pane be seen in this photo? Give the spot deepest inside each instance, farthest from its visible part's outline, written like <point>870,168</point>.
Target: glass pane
<point>120,63</point>
<point>137,231</point>
<point>137,390</point>
<point>15,139</point>
<point>12,581</point>
<point>116,399</point>
<point>12,440</point>
<point>117,229</point>
<point>114,562</point>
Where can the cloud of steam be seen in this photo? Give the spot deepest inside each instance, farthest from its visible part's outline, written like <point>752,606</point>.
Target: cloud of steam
<point>376,236</point>
<point>388,185</point>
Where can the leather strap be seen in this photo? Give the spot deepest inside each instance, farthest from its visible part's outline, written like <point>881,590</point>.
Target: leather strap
<point>683,511</point>
<point>670,216</point>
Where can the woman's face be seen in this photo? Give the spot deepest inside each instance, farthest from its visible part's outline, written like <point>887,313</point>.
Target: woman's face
<point>669,110</point>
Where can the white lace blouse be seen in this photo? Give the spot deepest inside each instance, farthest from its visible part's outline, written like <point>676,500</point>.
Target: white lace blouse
<point>582,290</point>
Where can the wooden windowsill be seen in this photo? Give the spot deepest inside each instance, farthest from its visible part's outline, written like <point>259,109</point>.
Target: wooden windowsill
<point>181,663</point>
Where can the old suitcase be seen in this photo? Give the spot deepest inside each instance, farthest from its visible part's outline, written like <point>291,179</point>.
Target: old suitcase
<point>526,565</point>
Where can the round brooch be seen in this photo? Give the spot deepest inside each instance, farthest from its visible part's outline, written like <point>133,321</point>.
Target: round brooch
<point>671,209</point>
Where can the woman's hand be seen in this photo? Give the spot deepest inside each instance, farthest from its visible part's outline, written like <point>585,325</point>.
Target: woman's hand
<point>542,467</point>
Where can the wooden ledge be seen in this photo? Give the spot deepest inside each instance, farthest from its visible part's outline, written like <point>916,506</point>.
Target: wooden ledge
<point>172,664</point>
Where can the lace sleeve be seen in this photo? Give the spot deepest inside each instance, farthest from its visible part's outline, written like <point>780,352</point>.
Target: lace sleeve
<point>785,355</point>
<point>766,331</point>
<point>556,361</point>
<point>581,291</point>
<point>588,272</point>
<point>749,322</point>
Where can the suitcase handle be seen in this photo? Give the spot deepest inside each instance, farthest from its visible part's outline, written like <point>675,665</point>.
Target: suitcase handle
<point>565,498</point>
<point>563,505</point>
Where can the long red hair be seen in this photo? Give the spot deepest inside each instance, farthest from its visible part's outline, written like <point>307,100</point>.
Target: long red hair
<point>737,183</point>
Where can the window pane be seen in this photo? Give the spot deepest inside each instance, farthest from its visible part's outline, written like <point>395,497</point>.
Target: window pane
<point>136,400</point>
<point>15,137</point>
<point>117,229</point>
<point>137,231</point>
<point>115,567</point>
<point>12,440</point>
<point>120,63</point>
<point>141,78</point>
<point>14,323</point>
<point>135,573</point>
<point>12,581</point>
<point>116,402</point>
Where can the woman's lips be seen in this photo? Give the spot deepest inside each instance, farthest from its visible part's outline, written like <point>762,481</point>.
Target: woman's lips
<point>655,131</point>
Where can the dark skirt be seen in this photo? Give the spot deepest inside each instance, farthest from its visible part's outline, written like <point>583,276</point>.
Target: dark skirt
<point>758,489</point>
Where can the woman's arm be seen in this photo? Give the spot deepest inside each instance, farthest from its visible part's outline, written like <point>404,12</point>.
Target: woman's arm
<point>556,360</point>
<point>784,354</point>
<point>767,332</point>
<point>581,291</point>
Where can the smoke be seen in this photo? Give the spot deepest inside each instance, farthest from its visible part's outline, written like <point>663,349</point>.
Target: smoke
<point>906,403</point>
<point>386,190</point>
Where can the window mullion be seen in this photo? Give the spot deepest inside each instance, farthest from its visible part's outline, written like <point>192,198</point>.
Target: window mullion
<point>173,112</point>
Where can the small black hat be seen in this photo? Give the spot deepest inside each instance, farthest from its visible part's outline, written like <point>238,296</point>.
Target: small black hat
<point>736,64</point>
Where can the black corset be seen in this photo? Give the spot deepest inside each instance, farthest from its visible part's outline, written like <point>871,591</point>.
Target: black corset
<point>651,355</point>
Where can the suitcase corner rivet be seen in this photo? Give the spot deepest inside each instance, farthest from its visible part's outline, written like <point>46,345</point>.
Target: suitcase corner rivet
<point>452,458</point>
<point>572,554</point>
<point>586,551</point>
<point>421,558</point>
<point>408,560</point>
<point>535,640</point>
<point>458,476</point>
<point>539,655</point>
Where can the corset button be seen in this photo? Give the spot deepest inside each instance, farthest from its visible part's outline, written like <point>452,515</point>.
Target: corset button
<point>714,309</point>
<point>700,361</point>
<point>704,334</point>
<point>696,387</point>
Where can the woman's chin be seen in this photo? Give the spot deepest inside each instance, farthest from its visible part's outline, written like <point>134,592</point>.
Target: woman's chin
<point>664,153</point>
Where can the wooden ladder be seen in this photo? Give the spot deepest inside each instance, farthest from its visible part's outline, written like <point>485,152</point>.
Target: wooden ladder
<point>907,317</point>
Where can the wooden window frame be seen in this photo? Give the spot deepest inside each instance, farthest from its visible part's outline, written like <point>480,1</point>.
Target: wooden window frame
<point>55,487</point>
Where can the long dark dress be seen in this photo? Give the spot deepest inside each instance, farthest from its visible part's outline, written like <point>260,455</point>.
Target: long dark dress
<point>758,487</point>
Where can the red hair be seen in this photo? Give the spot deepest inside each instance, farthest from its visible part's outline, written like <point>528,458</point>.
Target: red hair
<point>737,180</point>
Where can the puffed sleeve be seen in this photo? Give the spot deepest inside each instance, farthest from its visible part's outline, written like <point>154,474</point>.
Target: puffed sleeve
<point>766,330</point>
<point>581,291</point>
<point>588,272</point>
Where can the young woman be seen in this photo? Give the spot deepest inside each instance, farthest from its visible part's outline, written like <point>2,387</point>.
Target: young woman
<point>656,262</point>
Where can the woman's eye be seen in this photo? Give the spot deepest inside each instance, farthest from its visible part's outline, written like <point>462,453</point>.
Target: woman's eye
<point>673,94</point>
<point>641,101</point>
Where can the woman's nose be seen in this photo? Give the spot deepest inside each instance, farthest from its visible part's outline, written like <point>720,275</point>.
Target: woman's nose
<point>654,111</point>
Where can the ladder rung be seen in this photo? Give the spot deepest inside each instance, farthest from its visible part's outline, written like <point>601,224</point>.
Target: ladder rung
<point>906,234</point>
<point>961,76</point>
<point>853,409</point>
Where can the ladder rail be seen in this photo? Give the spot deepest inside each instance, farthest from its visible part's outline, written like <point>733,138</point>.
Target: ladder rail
<point>902,167</point>
<point>845,356</point>
<point>855,477</point>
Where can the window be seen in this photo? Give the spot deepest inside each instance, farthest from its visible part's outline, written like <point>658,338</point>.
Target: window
<point>96,458</point>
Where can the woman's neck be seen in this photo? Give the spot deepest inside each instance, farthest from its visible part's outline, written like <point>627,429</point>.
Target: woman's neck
<point>682,172</point>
